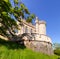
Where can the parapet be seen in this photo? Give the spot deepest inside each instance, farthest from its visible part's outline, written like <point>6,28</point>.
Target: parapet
<point>42,22</point>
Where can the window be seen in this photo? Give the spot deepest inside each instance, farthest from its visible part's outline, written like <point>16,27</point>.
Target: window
<point>31,30</point>
<point>26,30</point>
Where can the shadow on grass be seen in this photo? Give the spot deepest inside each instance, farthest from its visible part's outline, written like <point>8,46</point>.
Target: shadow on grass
<point>11,44</point>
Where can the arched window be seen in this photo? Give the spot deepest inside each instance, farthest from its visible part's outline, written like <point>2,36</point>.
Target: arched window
<point>26,30</point>
<point>31,30</point>
<point>23,28</point>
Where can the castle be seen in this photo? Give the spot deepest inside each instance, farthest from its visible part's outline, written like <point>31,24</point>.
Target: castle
<point>39,41</point>
<point>34,36</point>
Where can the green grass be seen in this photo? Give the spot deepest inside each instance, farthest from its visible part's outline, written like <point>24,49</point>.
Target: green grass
<point>11,50</point>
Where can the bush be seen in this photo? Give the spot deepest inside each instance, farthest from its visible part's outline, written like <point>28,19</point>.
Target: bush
<point>57,51</point>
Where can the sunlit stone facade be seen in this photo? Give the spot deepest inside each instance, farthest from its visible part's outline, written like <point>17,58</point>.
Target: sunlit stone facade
<point>39,30</point>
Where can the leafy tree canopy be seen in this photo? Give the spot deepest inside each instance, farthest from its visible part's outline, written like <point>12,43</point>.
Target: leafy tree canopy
<point>7,23</point>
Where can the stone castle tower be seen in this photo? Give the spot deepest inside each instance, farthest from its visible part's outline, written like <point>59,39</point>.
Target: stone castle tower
<point>40,26</point>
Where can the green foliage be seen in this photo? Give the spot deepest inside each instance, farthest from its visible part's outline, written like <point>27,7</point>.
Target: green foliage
<point>57,51</point>
<point>7,12</point>
<point>16,1</point>
<point>6,21</point>
<point>12,50</point>
<point>29,18</point>
<point>57,48</point>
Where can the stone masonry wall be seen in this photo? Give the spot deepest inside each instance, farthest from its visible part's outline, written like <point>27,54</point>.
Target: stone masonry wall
<point>39,46</point>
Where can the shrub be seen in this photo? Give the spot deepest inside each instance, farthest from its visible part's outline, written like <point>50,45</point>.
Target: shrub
<point>57,51</point>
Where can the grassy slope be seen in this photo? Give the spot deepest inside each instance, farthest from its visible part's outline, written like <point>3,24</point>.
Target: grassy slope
<point>11,50</point>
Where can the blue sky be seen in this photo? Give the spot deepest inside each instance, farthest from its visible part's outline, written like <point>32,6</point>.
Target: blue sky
<point>48,10</point>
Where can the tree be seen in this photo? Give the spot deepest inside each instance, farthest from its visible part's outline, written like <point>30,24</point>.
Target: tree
<point>7,23</point>
<point>57,48</point>
<point>57,51</point>
<point>56,45</point>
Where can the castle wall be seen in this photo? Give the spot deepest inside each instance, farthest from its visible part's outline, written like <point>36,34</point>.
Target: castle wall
<point>39,46</point>
<point>41,43</point>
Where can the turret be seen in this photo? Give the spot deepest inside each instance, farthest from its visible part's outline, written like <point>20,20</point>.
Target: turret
<point>37,25</point>
<point>42,27</point>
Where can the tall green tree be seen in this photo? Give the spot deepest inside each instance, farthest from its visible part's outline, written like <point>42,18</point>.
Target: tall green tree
<point>7,12</point>
<point>56,48</point>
